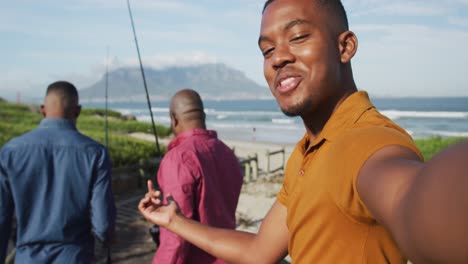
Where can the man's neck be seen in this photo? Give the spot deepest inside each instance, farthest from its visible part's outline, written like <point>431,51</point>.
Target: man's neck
<point>189,127</point>
<point>315,121</point>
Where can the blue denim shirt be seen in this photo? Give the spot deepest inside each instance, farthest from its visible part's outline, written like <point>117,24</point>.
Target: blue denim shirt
<point>58,183</point>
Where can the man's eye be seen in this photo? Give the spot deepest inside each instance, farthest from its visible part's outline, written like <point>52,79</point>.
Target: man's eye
<point>300,38</point>
<point>267,51</point>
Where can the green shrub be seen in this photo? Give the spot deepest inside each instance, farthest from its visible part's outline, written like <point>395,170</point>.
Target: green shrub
<point>17,119</point>
<point>429,147</point>
<point>100,112</point>
<point>124,150</point>
<point>89,121</point>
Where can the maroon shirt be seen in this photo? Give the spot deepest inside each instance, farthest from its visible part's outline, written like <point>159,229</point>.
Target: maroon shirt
<point>204,177</point>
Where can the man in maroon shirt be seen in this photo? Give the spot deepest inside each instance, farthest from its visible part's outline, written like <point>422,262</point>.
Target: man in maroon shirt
<point>201,173</point>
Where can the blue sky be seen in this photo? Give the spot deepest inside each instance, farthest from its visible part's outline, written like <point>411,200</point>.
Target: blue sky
<point>406,47</point>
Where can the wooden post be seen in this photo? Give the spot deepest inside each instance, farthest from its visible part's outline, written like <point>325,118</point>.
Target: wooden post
<point>255,167</point>
<point>247,170</point>
<point>268,163</point>
<point>284,158</point>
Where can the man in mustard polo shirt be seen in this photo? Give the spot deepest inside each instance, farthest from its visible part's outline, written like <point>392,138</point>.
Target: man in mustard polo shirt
<point>356,189</point>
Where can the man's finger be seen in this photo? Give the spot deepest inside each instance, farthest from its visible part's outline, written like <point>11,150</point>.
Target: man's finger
<point>155,194</point>
<point>142,204</point>
<point>150,186</point>
<point>156,201</point>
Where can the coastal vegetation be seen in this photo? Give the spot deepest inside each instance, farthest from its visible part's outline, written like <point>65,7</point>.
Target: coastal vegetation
<point>429,147</point>
<point>16,119</point>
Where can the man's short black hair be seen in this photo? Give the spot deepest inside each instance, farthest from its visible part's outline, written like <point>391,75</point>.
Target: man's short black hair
<point>67,93</point>
<point>63,88</point>
<point>334,7</point>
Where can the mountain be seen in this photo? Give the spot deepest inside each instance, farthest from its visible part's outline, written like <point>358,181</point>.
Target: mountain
<point>212,81</point>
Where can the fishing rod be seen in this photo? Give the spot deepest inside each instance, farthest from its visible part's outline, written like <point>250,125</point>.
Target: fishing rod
<point>106,88</point>
<point>144,80</point>
<point>154,230</point>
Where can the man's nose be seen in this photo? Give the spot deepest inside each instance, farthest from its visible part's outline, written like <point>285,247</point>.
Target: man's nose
<point>282,56</point>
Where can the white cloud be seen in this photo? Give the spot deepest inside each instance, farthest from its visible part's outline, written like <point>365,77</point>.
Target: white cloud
<point>458,21</point>
<point>411,60</point>
<point>156,6</point>
<point>61,40</point>
<point>361,8</point>
<point>166,5</point>
<point>463,2</point>
<point>159,61</point>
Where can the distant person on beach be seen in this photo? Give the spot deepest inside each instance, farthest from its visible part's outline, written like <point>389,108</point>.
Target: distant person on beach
<point>356,189</point>
<point>58,183</point>
<point>201,173</point>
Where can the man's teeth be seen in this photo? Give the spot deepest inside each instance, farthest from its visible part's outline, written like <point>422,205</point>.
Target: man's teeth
<point>287,81</point>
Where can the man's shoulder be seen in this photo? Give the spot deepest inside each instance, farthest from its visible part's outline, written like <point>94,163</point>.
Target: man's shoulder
<point>73,137</point>
<point>89,141</point>
<point>65,138</point>
<point>20,140</point>
<point>203,144</point>
<point>193,146</point>
<point>89,145</point>
<point>373,133</point>
<point>365,140</point>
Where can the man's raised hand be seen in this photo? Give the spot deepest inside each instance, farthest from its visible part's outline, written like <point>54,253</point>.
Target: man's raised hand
<point>153,209</point>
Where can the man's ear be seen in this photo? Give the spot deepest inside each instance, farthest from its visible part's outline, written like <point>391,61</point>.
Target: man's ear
<point>348,44</point>
<point>42,110</point>
<point>174,120</point>
<point>78,111</point>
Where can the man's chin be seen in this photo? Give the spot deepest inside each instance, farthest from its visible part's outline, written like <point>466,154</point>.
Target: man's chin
<point>291,112</point>
<point>292,109</point>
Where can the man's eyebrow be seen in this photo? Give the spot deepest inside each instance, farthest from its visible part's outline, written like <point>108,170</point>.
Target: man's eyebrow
<point>261,39</point>
<point>288,26</point>
<point>295,22</point>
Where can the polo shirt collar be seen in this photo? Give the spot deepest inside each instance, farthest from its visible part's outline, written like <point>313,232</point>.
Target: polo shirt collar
<point>347,113</point>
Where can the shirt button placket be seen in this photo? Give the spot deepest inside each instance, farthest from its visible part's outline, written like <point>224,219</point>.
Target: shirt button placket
<point>301,172</point>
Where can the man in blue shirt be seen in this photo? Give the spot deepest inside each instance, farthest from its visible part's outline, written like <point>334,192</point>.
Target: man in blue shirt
<point>58,183</point>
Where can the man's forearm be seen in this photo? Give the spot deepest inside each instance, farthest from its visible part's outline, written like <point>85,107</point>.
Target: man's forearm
<point>230,245</point>
<point>103,219</point>
<point>434,212</point>
<point>103,211</point>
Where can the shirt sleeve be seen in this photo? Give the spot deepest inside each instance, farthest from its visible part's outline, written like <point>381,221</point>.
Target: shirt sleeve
<point>360,144</point>
<point>6,209</point>
<point>177,176</point>
<point>103,212</point>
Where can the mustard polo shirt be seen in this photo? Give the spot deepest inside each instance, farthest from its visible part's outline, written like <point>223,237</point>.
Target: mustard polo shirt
<point>326,219</point>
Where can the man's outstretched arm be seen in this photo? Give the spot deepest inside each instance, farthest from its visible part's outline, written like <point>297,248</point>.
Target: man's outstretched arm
<point>268,246</point>
<point>424,205</point>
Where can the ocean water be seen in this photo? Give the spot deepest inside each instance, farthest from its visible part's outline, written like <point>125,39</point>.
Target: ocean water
<point>262,120</point>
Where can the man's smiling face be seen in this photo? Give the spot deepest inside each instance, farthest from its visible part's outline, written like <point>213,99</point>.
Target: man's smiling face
<point>301,55</point>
